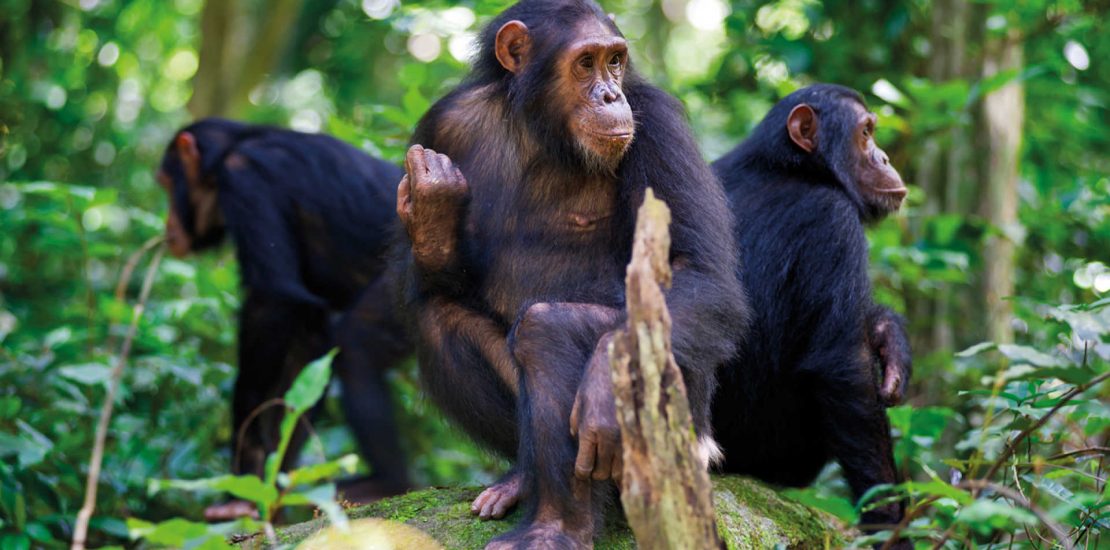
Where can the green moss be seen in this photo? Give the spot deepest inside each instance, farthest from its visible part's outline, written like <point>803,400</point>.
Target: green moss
<point>749,515</point>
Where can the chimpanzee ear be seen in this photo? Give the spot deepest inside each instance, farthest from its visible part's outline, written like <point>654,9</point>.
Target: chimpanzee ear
<point>187,151</point>
<point>513,46</point>
<point>802,127</point>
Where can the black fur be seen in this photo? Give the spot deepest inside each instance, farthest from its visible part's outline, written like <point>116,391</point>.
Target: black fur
<point>523,171</point>
<point>311,219</point>
<point>804,389</point>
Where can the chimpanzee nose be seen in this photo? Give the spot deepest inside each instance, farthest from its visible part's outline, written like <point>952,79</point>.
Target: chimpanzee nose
<point>611,94</point>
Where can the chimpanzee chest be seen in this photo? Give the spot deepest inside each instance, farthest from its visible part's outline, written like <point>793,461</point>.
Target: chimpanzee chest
<point>549,255</point>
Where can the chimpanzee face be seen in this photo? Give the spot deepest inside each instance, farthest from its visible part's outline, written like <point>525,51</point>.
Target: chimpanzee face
<point>591,70</point>
<point>177,238</point>
<point>585,90</point>
<point>194,220</point>
<point>879,183</point>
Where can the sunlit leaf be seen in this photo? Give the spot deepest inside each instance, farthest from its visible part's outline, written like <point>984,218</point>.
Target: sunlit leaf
<point>310,384</point>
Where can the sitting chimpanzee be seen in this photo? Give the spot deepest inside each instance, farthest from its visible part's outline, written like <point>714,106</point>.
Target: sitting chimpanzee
<point>804,388</point>
<point>311,218</point>
<point>516,271</point>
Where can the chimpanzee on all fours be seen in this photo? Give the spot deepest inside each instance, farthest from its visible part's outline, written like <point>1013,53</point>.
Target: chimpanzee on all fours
<point>311,219</point>
<point>520,228</point>
<point>805,388</point>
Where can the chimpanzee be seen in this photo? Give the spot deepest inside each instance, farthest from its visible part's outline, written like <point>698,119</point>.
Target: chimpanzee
<point>520,215</point>
<point>804,388</point>
<point>311,218</point>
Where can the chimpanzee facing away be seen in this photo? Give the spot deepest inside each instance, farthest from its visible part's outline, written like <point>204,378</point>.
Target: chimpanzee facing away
<point>520,228</point>
<point>804,388</point>
<point>311,218</point>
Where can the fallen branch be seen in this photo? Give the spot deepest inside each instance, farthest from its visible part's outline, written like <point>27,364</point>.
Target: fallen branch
<point>665,489</point>
<point>81,526</point>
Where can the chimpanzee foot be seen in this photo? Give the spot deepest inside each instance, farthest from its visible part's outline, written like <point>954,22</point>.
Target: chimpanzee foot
<point>230,510</point>
<point>499,498</point>
<point>542,536</point>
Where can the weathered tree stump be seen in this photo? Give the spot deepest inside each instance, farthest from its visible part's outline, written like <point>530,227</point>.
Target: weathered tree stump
<point>665,489</point>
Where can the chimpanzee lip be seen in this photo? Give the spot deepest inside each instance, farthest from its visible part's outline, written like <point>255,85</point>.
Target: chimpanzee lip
<point>892,190</point>
<point>623,134</point>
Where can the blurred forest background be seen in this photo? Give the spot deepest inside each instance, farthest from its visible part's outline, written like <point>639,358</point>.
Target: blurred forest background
<point>994,112</point>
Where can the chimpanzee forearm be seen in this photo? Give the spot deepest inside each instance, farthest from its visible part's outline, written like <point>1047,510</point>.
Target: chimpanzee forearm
<point>442,320</point>
<point>431,204</point>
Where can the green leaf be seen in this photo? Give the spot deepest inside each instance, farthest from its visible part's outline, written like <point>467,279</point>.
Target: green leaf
<point>1026,354</point>
<point>938,488</point>
<point>177,533</point>
<point>89,374</point>
<point>986,515</point>
<point>310,384</point>
<point>976,349</point>
<point>246,487</point>
<point>837,506</point>
<point>38,532</point>
<point>308,475</point>
<point>15,542</point>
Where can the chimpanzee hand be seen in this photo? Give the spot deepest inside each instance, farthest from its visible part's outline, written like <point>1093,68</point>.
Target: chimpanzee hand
<point>593,420</point>
<point>890,344</point>
<point>431,202</point>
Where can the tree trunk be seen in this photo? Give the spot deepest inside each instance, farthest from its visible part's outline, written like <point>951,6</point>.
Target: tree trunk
<point>213,82</point>
<point>1003,118</point>
<point>665,489</point>
<point>237,52</point>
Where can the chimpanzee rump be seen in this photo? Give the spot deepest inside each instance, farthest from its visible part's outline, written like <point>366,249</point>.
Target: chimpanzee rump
<point>311,219</point>
<point>804,388</point>
<point>519,234</point>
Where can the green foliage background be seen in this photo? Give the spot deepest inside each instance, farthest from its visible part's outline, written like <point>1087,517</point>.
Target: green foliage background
<point>91,90</point>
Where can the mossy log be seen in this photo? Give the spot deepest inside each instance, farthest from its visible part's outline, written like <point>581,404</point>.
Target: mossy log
<point>750,515</point>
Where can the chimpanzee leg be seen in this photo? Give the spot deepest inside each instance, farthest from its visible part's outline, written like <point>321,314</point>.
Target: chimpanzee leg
<point>552,344</point>
<point>276,337</point>
<point>371,340</point>
<point>859,434</point>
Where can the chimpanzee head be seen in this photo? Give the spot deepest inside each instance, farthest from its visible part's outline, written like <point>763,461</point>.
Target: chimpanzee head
<point>563,64</point>
<point>187,174</point>
<point>827,128</point>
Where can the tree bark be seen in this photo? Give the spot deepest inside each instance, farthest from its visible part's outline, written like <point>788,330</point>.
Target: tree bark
<point>665,490</point>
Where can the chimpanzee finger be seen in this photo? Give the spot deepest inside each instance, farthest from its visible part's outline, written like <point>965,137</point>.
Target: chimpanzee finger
<point>459,179</point>
<point>431,163</point>
<point>604,458</point>
<point>893,385</point>
<point>414,161</point>
<point>587,452</point>
<point>404,198</point>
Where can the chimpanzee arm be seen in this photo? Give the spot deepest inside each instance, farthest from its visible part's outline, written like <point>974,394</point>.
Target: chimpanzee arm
<point>706,301</point>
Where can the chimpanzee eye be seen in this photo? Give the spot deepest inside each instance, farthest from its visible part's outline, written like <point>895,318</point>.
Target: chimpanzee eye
<point>615,61</point>
<point>587,62</point>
